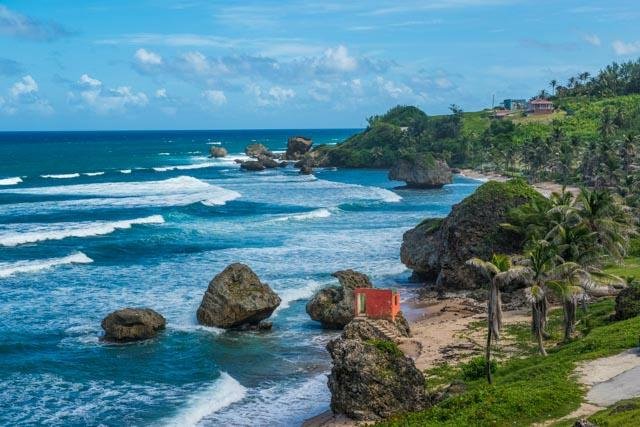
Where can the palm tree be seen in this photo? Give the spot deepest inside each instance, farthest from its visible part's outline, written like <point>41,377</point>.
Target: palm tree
<point>499,272</point>
<point>553,83</point>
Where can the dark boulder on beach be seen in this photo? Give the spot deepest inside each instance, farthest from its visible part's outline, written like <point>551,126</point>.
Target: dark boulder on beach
<point>236,298</point>
<point>132,324</point>
<point>218,152</point>
<point>371,378</point>
<point>297,146</point>
<point>421,172</point>
<point>333,306</point>
<point>252,165</point>
<point>256,150</point>
<point>437,249</point>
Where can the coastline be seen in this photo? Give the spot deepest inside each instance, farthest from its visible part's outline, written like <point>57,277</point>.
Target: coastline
<point>546,188</point>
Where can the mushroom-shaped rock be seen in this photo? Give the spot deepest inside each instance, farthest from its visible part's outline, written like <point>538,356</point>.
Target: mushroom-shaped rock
<point>132,324</point>
<point>236,297</point>
<point>256,150</point>
<point>218,152</point>
<point>334,306</point>
<point>297,147</point>
<point>421,172</point>
<point>372,379</point>
<point>252,165</point>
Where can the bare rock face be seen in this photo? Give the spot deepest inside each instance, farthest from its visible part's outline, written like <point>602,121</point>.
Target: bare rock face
<point>218,152</point>
<point>372,379</point>
<point>132,324</point>
<point>437,249</point>
<point>252,165</point>
<point>236,297</point>
<point>382,329</point>
<point>268,162</point>
<point>421,172</point>
<point>257,150</point>
<point>334,306</point>
<point>297,147</point>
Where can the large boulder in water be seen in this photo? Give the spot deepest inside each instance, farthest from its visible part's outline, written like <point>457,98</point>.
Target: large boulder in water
<point>437,249</point>
<point>252,165</point>
<point>132,324</point>
<point>334,306</point>
<point>421,172</point>
<point>218,152</point>
<point>236,297</point>
<point>256,150</point>
<point>297,146</point>
<point>371,379</point>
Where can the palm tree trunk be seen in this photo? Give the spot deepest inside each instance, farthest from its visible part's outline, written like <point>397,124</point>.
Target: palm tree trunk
<point>538,311</point>
<point>488,357</point>
<point>569,319</point>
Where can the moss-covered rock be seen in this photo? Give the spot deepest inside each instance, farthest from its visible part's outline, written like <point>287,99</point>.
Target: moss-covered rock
<point>628,302</point>
<point>438,249</point>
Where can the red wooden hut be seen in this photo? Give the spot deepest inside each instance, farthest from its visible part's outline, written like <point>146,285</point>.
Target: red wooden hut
<point>377,303</point>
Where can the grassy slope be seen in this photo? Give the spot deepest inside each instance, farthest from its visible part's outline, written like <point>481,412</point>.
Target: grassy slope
<point>532,388</point>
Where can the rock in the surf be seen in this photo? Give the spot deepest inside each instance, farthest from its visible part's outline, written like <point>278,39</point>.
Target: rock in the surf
<point>132,324</point>
<point>334,306</point>
<point>306,170</point>
<point>252,165</point>
<point>256,150</point>
<point>268,162</point>
<point>297,146</point>
<point>236,297</point>
<point>218,152</point>
<point>421,172</point>
<point>372,379</point>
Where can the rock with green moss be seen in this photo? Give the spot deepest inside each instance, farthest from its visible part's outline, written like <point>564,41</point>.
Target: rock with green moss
<point>371,379</point>
<point>236,298</point>
<point>628,302</point>
<point>423,171</point>
<point>437,250</point>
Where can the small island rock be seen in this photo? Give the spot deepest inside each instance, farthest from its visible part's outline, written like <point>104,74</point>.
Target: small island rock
<point>256,150</point>
<point>297,146</point>
<point>235,298</point>
<point>422,172</point>
<point>132,324</point>
<point>252,165</point>
<point>334,306</point>
<point>218,152</point>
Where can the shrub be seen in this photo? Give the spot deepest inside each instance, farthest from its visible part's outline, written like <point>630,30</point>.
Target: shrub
<point>475,368</point>
<point>386,346</point>
<point>628,302</point>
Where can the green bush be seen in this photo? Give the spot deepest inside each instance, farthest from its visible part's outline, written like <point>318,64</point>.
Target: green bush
<point>634,247</point>
<point>628,302</point>
<point>475,368</point>
<point>386,346</point>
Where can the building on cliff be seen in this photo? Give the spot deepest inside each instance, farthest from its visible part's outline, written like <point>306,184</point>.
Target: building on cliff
<point>377,303</point>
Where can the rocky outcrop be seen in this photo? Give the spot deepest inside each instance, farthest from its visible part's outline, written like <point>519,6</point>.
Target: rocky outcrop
<point>334,306</point>
<point>218,152</point>
<point>382,329</point>
<point>297,146</point>
<point>306,170</point>
<point>437,249</point>
<point>236,297</point>
<point>268,162</point>
<point>252,165</point>
<point>371,379</point>
<point>257,150</point>
<point>422,172</point>
<point>132,324</point>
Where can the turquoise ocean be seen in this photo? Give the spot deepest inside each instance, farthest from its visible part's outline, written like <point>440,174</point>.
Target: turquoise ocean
<point>95,221</point>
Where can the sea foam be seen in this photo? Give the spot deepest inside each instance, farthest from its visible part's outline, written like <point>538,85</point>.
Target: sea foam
<point>9,269</point>
<point>222,393</point>
<point>58,231</point>
<point>62,176</point>
<point>10,181</point>
<point>315,214</point>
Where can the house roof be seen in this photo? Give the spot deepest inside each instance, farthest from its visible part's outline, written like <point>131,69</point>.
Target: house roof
<point>541,101</point>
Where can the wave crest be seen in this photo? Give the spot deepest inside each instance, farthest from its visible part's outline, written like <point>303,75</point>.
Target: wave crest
<point>9,269</point>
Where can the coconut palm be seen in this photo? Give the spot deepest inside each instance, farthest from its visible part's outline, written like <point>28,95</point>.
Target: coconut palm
<point>553,83</point>
<point>499,273</point>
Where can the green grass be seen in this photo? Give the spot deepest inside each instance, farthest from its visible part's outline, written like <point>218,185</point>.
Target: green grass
<point>533,388</point>
<point>623,414</point>
<point>630,267</point>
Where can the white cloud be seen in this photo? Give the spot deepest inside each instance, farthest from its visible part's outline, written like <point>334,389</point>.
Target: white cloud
<point>443,83</point>
<point>215,97</point>
<point>339,59</point>
<point>88,81</point>
<point>592,39</point>
<point>276,95</point>
<point>27,85</point>
<point>146,57</point>
<point>196,62</point>
<point>623,48</point>
<point>161,93</point>
<point>393,89</point>
<point>20,26</point>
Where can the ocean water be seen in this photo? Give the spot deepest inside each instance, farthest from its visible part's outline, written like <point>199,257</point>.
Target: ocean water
<point>95,221</point>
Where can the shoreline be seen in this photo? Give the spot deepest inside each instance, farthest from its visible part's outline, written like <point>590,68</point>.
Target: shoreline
<point>546,188</point>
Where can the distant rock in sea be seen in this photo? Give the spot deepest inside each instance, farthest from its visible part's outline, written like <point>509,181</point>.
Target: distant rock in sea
<point>237,298</point>
<point>334,306</point>
<point>218,152</point>
<point>297,146</point>
<point>132,324</point>
<point>256,150</point>
<point>421,172</point>
<point>252,165</point>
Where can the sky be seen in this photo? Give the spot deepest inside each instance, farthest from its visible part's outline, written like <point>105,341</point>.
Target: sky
<point>190,64</point>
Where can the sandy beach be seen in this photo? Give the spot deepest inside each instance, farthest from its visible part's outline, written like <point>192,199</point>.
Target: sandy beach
<point>544,187</point>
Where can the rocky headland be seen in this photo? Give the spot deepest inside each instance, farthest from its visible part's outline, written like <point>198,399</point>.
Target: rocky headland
<point>421,172</point>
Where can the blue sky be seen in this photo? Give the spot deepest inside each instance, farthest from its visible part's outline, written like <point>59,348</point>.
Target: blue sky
<point>190,64</point>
